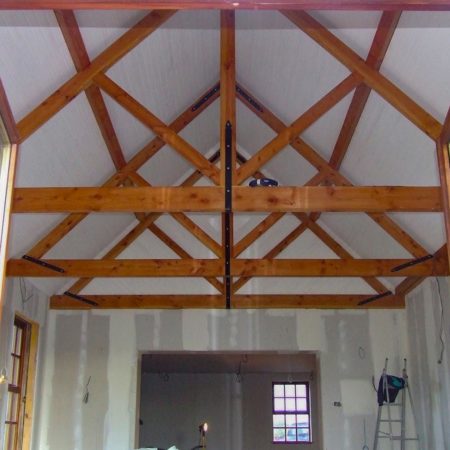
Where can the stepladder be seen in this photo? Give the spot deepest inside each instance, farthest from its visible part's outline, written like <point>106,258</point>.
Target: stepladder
<point>395,413</point>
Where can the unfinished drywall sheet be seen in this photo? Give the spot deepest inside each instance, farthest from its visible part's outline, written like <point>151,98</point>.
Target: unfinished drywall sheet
<point>428,312</point>
<point>336,335</point>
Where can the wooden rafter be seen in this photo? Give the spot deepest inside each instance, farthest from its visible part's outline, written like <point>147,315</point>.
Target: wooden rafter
<point>65,226</point>
<point>329,173</point>
<point>265,154</point>
<point>83,79</point>
<point>216,302</point>
<point>75,44</point>
<point>389,91</point>
<point>211,199</point>
<point>215,267</point>
<point>352,5</point>
<point>383,36</point>
<point>167,134</point>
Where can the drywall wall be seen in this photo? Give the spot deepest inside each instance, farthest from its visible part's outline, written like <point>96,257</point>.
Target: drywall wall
<point>238,409</point>
<point>20,297</point>
<point>428,330</point>
<point>105,345</point>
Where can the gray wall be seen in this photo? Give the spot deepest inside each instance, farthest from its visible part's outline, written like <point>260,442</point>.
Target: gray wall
<point>239,414</point>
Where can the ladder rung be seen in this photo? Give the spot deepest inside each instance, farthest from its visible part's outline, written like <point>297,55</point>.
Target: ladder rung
<point>392,420</point>
<point>396,438</point>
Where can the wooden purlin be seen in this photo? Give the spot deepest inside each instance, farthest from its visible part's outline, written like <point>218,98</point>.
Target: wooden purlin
<point>142,156</point>
<point>216,302</point>
<point>74,41</point>
<point>79,82</point>
<point>266,267</point>
<point>245,199</point>
<point>348,5</point>
<point>389,91</point>
<point>313,157</point>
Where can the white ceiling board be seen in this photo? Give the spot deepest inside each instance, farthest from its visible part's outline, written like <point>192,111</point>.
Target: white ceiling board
<point>285,69</point>
<point>337,20</point>
<point>27,229</point>
<point>181,62</point>
<point>33,57</point>
<point>427,228</point>
<point>90,238</point>
<point>363,235</point>
<point>316,285</point>
<point>387,149</point>
<point>131,133</point>
<point>101,28</point>
<point>418,62</point>
<point>67,151</point>
<point>155,286</point>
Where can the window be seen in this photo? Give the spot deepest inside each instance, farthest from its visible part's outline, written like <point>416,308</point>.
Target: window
<point>291,413</point>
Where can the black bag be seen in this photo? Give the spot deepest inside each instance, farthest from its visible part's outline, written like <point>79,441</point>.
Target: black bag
<point>394,385</point>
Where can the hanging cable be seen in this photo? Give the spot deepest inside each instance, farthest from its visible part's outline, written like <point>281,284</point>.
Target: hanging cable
<point>441,325</point>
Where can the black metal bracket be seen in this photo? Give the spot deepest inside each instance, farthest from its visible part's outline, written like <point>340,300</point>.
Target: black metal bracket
<point>42,263</point>
<point>374,298</point>
<point>206,97</point>
<point>250,100</point>
<point>228,209</point>
<point>412,263</point>
<point>80,298</point>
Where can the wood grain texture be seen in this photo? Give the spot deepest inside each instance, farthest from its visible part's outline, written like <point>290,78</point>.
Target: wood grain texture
<point>6,116</point>
<point>168,135</point>
<point>216,302</point>
<point>348,5</point>
<point>215,267</point>
<point>69,90</point>
<point>390,92</point>
<point>211,199</point>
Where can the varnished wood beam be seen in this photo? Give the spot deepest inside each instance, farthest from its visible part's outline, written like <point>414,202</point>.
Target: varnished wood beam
<point>211,199</point>
<point>214,267</point>
<point>348,5</point>
<point>289,133</point>
<point>390,92</point>
<point>158,127</point>
<point>75,44</point>
<point>328,173</point>
<point>443,157</point>
<point>69,90</point>
<point>6,116</point>
<point>139,159</point>
<point>383,36</point>
<point>311,301</point>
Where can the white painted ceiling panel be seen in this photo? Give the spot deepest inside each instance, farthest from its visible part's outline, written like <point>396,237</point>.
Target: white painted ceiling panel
<point>34,59</point>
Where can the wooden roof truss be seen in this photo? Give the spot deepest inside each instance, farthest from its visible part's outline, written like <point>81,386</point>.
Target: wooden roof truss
<point>328,190</point>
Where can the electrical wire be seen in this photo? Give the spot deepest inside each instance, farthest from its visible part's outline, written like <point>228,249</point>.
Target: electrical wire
<point>441,325</point>
<point>23,292</point>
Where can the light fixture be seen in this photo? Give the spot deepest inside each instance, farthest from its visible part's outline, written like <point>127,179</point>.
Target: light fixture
<point>3,377</point>
<point>203,428</point>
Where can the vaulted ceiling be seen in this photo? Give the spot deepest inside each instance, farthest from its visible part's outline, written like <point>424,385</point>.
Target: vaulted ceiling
<point>130,101</point>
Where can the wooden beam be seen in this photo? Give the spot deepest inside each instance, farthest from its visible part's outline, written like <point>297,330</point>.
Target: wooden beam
<point>216,302</point>
<point>443,157</point>
<point>328,173</point>
<point>158,127</point>
<point>74,41</point>
<point>211,199</point>
<point>390,92</point>
<point>383,36</point>
<point>215,267</point>
<point>69,90</point>
<point>348,5</point>
<point>6,116</point>
<point>139,159</point>
<point>289,133</point>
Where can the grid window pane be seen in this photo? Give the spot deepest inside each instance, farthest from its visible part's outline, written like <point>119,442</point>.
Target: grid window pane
<point>278,390</point>
<point>278,420</point>
<point>291,413</point>
<point>279,435</point>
